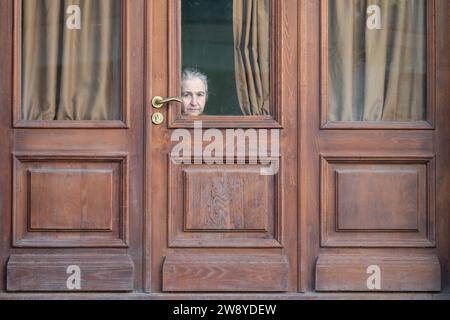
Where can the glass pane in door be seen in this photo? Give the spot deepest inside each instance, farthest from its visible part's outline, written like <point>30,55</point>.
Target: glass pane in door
<point>225,57</point>
<point>377,60</point>
<point>71,57</point>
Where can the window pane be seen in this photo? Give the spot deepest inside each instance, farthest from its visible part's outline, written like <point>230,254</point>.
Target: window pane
<point>226,57</point>
<point>71,59</point>
<point>377,60</point>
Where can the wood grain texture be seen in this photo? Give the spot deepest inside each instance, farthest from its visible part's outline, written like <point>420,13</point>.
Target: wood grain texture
<point>88,145</point>
<point>227,199</point>
<point>71,199</point>
<point>98,273</point>
<point>365,140</point>
<point>297,81</point>
<point>377,201</point>
<point>442,137</point>
<point>383,198</point>
<point>225,273</point>
<point>207,209</point>
<point>402,272</point>
<point>163,193</point>
<point>6,136</point>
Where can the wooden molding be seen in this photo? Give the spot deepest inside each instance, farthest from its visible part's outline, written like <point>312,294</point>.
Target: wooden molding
<point>225,273</point>
<point>64,165</point>
<point>180,206</point>
<point>409,226</point>
<point>398,272</point>
<point>45,273</point>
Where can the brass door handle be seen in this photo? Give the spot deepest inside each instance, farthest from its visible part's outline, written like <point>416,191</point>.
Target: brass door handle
<point>158,102</point>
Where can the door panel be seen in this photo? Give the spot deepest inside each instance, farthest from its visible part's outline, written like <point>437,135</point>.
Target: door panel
<point>75,148</point>
<point>225,273</point>
<point>70,200</point>
<point>377,201</point>
<point>377,169</point>
<point>220,208</point>
<point>223,206</point>
<point>399,273</point>
<point>55,273</point>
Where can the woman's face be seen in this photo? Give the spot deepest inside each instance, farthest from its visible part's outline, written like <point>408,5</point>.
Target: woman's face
<point>194,97</point>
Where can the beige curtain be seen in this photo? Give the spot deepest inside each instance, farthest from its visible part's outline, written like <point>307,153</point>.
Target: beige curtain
<point>70,74</point>
<point>252,46</point>
<point>377,75</point>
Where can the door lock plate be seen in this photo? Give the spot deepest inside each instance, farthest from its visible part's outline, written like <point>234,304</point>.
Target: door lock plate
<point>157,118</point>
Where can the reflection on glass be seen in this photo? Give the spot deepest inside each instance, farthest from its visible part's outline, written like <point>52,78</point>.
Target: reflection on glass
<point>377,60</point>
<point>226,44</point>
<point>71,59</point>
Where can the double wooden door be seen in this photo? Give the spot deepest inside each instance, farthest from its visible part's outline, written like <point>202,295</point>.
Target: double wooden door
<point>275,196</point>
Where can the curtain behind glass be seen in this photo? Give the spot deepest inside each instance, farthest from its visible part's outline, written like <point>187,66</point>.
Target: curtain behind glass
<point>251,19</point>
<point>70,74</point>
<point>377,75</point>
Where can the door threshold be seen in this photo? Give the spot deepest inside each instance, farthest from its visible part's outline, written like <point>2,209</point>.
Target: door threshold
<point>217,296</point>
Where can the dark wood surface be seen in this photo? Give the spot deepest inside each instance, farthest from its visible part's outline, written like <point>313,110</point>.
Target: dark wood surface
<point>225,273</point>
<point>56,195</point>
<point>397,273</point>
<point>309,214</point>
<point>442,138</point>
<point>47,273</point>
<point>330,155</point>
<point>102,166</point>
<point>165,195</point>
<point>377,201</point>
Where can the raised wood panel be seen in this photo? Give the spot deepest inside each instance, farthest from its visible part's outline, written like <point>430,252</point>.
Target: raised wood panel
<point>397,273</point>
<point>226,200</point>
<point>98,273</point>
<point>225,273</point>
<point>377,202</point>
<point>379,199</point>
<point>222,205</point>
<point>71,199</point>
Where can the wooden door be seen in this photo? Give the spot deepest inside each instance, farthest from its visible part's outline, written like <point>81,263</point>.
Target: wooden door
<point>255,178</point>
<point>220,224</point>
<point>72,131</point>
<point>378,181</point>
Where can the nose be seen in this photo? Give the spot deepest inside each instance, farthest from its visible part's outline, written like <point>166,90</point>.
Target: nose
<point>194,100</point>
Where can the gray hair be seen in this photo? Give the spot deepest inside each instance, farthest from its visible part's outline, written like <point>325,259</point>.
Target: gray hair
<point>191,73</point>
